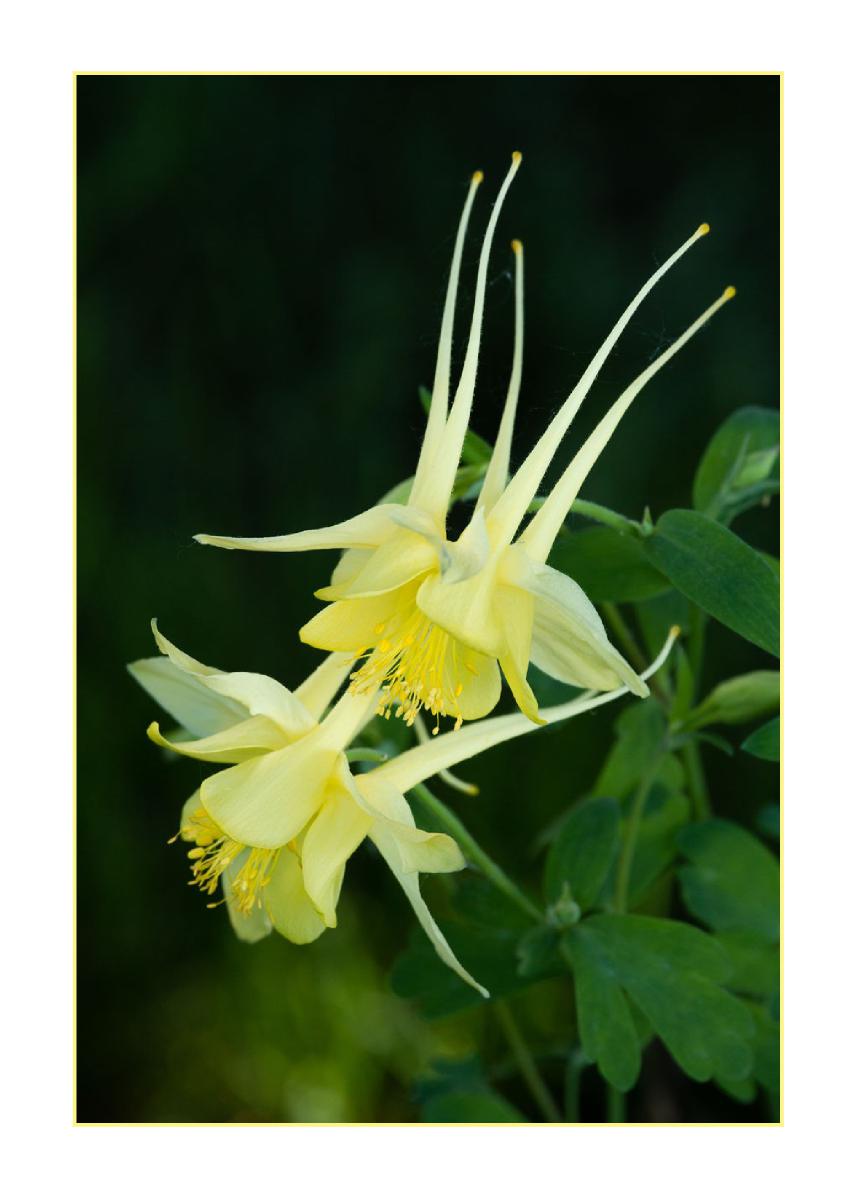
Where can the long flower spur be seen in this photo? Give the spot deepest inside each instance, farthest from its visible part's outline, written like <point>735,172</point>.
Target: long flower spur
<point>431,622</point>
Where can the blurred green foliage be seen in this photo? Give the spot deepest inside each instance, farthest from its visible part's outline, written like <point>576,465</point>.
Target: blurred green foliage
<point>261,267</point>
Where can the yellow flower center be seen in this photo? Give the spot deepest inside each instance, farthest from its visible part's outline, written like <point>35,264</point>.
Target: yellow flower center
<point>416,665</point>
<point>214,851</point>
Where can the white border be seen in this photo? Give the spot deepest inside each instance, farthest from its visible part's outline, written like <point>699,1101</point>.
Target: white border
<point>42,47</point>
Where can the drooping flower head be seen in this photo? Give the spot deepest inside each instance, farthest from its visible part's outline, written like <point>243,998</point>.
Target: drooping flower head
<point>432,622</point>
<point>275,828</point>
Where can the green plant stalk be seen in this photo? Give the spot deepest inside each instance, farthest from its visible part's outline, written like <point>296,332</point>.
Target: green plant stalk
<point>691,754</point>
<point>616,1102</point>
<point>697,781</point>
<point>473,852</point>
<point>627,852</point>
<point>526,1063</point>
<point>596,512</point>
<point>573,1084</point>
<point>623,634</point>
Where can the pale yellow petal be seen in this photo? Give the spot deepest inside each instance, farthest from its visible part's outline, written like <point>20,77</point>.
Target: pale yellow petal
<point>317,691</point>
<point>345,719</point>
<point>366,530</point>
<point>264,696</point>
<point>240,742</point>
<point>419,849</point>
<point>351,624</point>
<point>478,678</point>
<point>267,801</point>
<point>185,697</point>
<point>339,827</point>
<point>469,554</point>
<point>465,609</point>
<point>569,640</point>
<point>191,665</point>
<point>287,903</point>
<point>251,926</point>
<point>349,565</point>
<point>401,559</point>
<point>516,614</point>
<point>389,847</point>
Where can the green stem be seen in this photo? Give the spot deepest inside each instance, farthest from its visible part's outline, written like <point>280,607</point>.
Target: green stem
<point>695,648</point>
<point>697,781</point>
<point>576,1063</point>
<point>605,516</point>
<point>595,512</point>
<point>623,633</point>
<point>526,1063</point>
<point>491,870</point>
<point>365,754</point>
<point>627,852</point>
<point>691,754</point>
<point>616,1105</point>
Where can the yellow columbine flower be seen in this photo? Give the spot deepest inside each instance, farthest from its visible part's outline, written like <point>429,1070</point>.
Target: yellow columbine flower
<point>275,830</point>
<point>432,619</point>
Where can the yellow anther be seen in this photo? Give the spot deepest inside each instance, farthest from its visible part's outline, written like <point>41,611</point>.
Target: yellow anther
<point>478,177</point>
<point>729,293</point>
<point>516,246</point>
<point>702,230</point>
<point>516,157</point>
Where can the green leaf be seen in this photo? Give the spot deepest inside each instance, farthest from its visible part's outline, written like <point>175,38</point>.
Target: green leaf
<point>719,572</point>
<point>660,614</point>
<point>673,972</point>
<point>539,953</point>
<point>606,1027</point>
<point>476,1107</point>
<point>756,964</point>
<point>665,814</point>
<point>732,883</point>
<point>684,688</point>
<point>765,742</point>
<point>479,902</point>
<point>767,1049</point>
<point>489,955</point>
<point>768,821</point>
<point>738,700</point>
<point>740,457</point>
<point>476,451</point>
<point>640,732</point>
<point>607,565</point>
<point>583,852</point>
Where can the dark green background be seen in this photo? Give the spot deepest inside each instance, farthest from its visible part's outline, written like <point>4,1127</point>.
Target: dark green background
<point>261,269</point>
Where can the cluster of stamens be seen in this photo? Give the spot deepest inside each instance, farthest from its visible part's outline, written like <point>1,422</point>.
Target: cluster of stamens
<point>214,851</point>
<point>415,665</point>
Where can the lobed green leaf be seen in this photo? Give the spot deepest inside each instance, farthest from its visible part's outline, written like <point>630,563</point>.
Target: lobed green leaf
<point>720,572</point>
<point>732,883</point>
